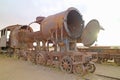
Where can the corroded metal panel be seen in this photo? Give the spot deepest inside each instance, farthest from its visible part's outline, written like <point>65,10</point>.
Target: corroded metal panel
<point>90,33</point>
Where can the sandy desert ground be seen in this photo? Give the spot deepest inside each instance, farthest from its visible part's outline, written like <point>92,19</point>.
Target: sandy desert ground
<point>14,69</point>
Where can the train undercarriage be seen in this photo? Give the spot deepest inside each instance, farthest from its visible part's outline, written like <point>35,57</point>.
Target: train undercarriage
<point>70,62</point>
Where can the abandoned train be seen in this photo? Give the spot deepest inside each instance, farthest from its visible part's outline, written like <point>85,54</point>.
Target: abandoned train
<point>56,41</point>
<point>103,54</point>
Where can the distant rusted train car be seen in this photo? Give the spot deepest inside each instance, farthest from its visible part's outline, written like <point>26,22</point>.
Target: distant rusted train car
<point>5,38</point>
<point>104,53</point>
<point>11,39</point>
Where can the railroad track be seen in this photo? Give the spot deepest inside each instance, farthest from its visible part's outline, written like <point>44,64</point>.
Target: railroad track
<point>113,78</point>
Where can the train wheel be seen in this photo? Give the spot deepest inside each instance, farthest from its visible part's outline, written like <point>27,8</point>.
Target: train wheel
<point>66,64</point>
<point>22,55</point>
<point>79,69</point>
<point>29,57</point>
<point>40,59</point>
<point>99,60</point>
<point>117,61</point>
<point>25,56</point>
<point>10,52</point>
<point>104,60</point>
<point>16,53</point>
<point>91,67</point>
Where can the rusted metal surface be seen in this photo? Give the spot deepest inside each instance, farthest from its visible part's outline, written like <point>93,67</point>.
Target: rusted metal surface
<point>39,19</point>
<point>12,27</point>
<point>70,22</point>
<point>20,36</point>
<point>90,32</point>
<point>13,37</point>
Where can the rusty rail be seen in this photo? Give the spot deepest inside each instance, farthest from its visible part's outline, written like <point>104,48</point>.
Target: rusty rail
<point>101,75</point>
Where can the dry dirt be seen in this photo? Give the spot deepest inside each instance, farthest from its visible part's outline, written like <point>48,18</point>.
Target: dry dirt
<point>14,69</point>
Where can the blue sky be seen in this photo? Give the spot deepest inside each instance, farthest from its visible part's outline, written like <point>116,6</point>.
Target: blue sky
<point>107,12</point>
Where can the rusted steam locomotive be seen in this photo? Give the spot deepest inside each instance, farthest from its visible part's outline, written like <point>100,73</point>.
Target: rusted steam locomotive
<point>56,41</point>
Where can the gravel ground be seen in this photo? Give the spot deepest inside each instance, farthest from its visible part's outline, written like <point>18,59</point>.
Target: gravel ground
<point>14,69</point>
